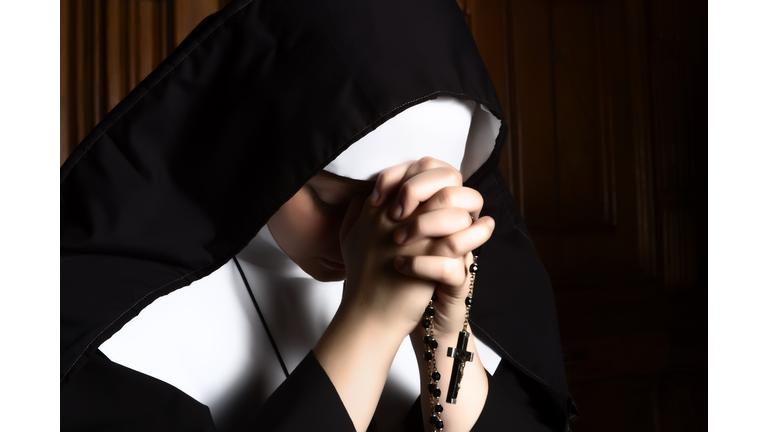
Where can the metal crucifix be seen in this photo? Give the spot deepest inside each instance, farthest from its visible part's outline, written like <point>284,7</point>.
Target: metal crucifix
<point>460,356</point>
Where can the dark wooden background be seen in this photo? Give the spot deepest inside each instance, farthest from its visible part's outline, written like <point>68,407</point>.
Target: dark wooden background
<point>607,159</point>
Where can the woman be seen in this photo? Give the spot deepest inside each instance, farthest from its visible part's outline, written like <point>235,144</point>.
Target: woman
<point>190,167</point>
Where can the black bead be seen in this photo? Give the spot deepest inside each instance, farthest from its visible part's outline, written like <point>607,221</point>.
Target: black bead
<point>430,311</point>
<point>431,387</point>
<point>476,252</point>
<point>427,356</point>
<point>434,296</point>
<point>433,419</point>
<point>436,392</point>
<point>468,301</point>
<point>438,408</point>
<point>433,344</point>
<point>425,323</point>
<point>427,339</point>
<point>439,424</point>
<point>473,268</point>
<point>436,376</point>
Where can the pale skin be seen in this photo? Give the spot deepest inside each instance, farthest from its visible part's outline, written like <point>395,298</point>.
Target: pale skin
<point>395,241</point>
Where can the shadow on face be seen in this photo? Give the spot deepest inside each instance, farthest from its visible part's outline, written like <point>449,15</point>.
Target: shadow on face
<point>307,226</point>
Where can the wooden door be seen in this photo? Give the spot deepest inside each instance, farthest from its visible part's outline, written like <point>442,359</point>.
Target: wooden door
<point>606,160</point>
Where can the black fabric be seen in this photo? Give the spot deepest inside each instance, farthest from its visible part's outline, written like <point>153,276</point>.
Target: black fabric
<point>307,397</point>
<point>258,99</point>
<point>513,310</point>
<point>513,401</point>
<point>106,396</point>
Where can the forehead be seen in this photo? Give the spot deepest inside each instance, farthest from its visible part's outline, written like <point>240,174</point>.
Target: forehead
<point>328,180</point>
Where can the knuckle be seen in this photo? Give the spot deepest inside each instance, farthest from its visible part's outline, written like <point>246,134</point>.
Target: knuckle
<point>456,171</point>
<point>451,174</point>
<point>417,227</point>
<point>388,175</point>
<point>444,198</point>
<point>406,190</point>
<point>446,270</point>
<point>478,197</point>
<point>458,176</point>
<point>452,246</point>
<point>427,162</point>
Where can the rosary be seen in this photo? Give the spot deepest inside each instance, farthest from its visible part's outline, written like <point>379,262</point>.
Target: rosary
<point>459,354</point>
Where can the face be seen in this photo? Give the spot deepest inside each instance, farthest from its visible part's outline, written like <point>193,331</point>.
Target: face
<point>307,226</point>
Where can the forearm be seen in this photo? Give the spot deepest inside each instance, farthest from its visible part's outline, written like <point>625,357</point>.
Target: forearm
<point>474,385</point>
<point>356,352</point>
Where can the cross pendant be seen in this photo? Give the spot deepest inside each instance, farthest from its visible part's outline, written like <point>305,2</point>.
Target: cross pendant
<point>460,356</point>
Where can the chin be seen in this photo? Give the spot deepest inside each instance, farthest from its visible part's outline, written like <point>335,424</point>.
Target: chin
<point>321,273</point>
<point>329,276</point>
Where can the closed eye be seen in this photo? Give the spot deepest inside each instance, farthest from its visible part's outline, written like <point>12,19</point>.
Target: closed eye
<point>330,209</point>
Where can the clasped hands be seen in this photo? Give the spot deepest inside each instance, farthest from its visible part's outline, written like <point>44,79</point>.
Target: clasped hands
<point>413,236</point>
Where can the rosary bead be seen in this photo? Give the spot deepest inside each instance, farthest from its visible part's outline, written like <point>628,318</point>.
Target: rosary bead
<point>430,311</point>
<point>434,296</point>
<point>436,376</point>
<point>468,301</point>
<point>473,268</point>
<point>433,419</point>
<point>431,387</point>
<point>438,408</point>
<point>425,323</point>
<point>427,339</point>
<point>436,392</point>
<point>427,356</point>
<point>433,344</point>
<point>439,424</point>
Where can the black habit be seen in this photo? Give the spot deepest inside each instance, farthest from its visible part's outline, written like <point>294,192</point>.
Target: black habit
<point>184,172</point>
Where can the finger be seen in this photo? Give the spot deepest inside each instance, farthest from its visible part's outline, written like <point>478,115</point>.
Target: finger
<point>353,213</point>
<point>459,244</point>
<point>421,188</point>
<point>388,182</point>
<point>449,271</point>
<point>455,196</point>
<point>425,164</point>
<point>436,223</point>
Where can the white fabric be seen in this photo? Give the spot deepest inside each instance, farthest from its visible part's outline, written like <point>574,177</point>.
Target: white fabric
<point>461,133</point>
<point>207,339</point>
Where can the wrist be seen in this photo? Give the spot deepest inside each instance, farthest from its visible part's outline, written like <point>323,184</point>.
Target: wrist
<point>474,384</point>
<point>356,348</point>
<point>449,317</point>
<point>397,307</point>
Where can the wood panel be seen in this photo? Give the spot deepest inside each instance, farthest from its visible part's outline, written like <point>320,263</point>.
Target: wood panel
<point>574,109</point>
<point>108,47</point>
<point>187,14</point>
<point>624,404</point>
<point>674,180</point>
<point>65,82</point>
<point>487,22</point>
<point>611,144</point>
<point>533,104</point>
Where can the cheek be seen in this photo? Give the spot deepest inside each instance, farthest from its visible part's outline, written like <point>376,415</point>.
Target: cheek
<point>300,228</point>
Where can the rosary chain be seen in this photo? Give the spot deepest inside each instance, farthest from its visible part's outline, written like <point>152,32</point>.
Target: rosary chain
<point>431,357</point>
<point>431,348</point>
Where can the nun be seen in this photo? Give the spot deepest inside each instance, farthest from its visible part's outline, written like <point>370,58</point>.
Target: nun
<point>254,238</point>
